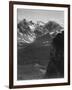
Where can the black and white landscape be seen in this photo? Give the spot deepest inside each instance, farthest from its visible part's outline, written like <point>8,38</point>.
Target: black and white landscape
<point>37,57</point>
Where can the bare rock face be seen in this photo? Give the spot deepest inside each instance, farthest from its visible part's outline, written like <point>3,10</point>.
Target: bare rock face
<point>52,26</point>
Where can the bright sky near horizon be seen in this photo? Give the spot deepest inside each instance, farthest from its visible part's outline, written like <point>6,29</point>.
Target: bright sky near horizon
<point>41,15</point>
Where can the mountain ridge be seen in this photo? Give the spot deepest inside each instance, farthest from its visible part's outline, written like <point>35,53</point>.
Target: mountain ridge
<point>31,32</point>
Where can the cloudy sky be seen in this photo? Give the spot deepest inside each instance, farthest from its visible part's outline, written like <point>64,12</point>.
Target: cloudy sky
<point>40,15</point>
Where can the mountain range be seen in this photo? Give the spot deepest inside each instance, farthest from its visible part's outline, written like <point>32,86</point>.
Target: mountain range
<point>39,33</point>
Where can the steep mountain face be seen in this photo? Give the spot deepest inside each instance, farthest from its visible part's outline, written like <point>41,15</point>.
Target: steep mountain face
<point>23,27</point>
<point>25,35</point>
<point>52,26</point>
